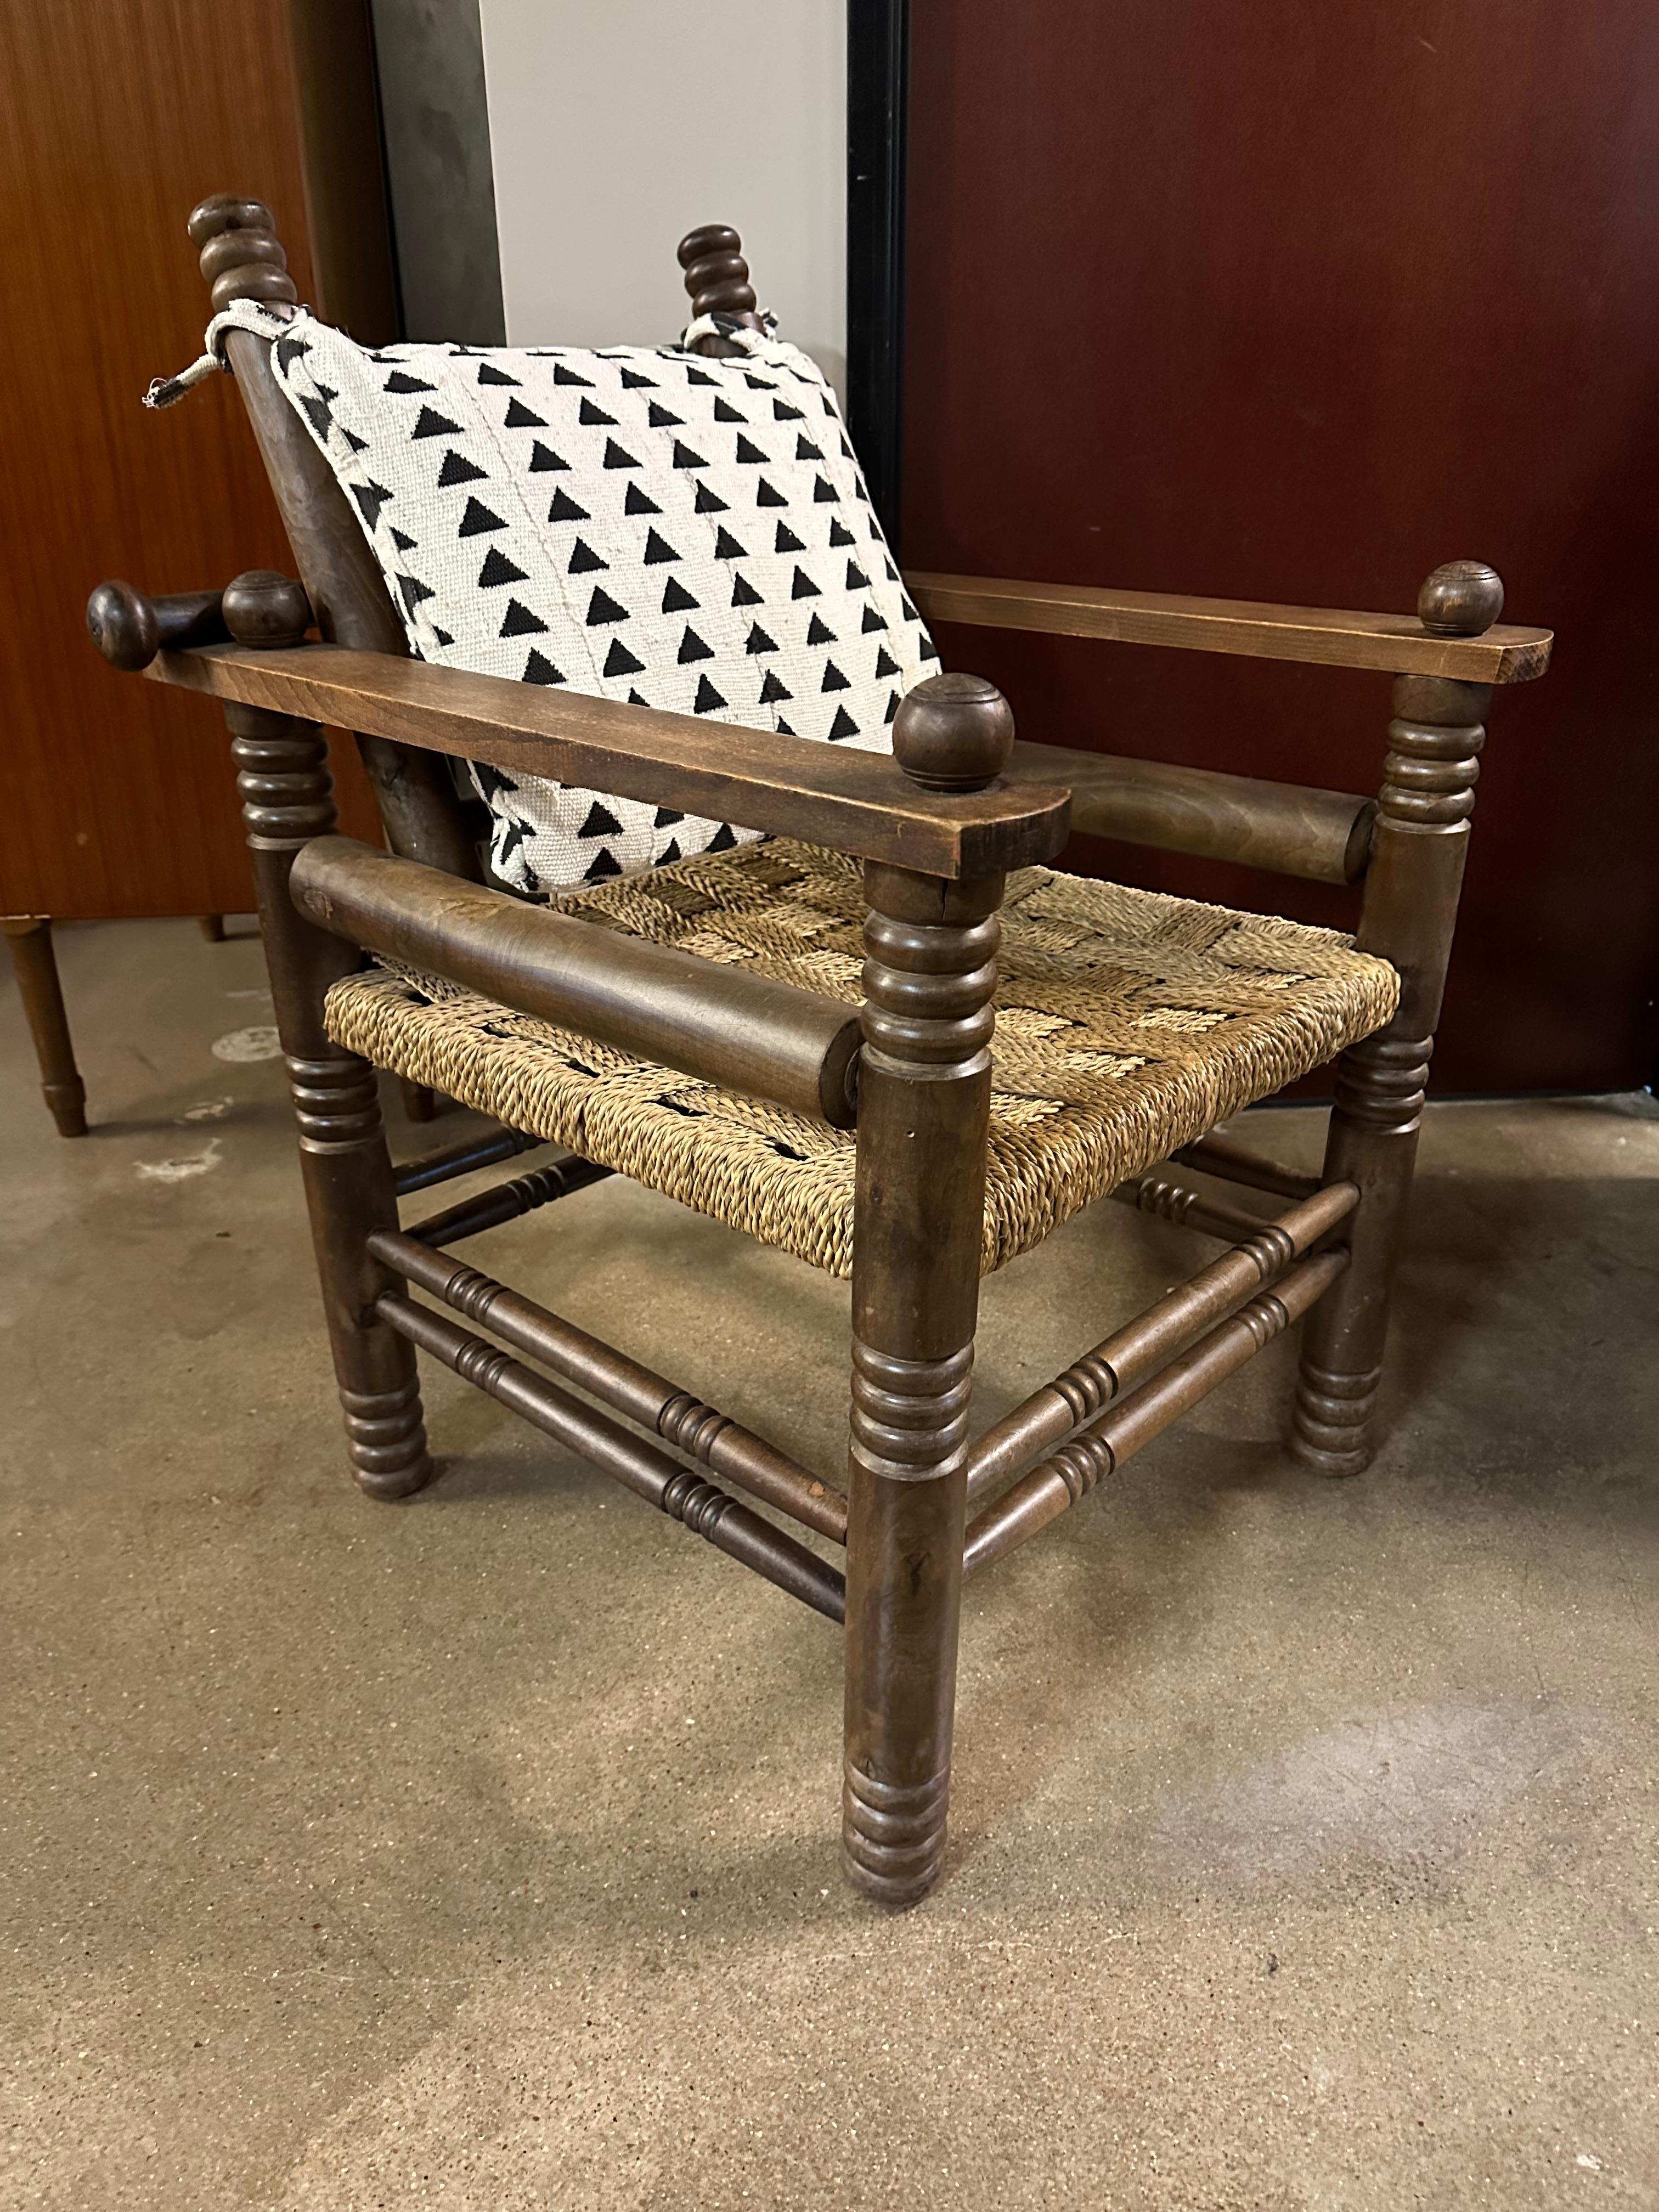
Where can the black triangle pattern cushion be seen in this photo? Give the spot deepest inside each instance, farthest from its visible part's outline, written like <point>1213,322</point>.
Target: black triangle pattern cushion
<point>637,523</point>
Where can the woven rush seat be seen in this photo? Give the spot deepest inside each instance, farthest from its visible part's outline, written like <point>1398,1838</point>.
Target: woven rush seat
<point>1128,1024</point>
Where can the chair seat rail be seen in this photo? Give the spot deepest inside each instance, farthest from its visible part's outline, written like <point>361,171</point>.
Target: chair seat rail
<point>485,1149</point>
<point>724,1024</point>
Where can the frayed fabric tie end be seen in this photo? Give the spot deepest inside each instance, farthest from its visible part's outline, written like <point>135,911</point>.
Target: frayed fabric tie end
<point>167,390</point>
<point>241,315</point>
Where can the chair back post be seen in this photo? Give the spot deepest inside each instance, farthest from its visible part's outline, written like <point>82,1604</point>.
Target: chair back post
<point>243,258</point>
<point>717,278</point>
<point>918,1225</point>
<point>1408,916</point>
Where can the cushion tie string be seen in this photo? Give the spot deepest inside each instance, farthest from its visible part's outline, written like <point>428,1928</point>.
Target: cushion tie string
<point>241,315</point>
<point>722,326</point>
<point>265,322</point>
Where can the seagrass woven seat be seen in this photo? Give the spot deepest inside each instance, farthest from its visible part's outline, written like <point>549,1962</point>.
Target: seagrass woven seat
<point>699,867</point>
<point>1128,1024</point>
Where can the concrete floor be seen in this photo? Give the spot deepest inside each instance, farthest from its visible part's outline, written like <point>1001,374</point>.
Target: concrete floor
<point>481,1851</point>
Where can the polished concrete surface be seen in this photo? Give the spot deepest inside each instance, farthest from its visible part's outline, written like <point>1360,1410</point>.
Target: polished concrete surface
<point>481,1851</point>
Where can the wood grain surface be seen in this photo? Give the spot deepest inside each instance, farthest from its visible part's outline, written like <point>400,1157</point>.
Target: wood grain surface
<point>116,116</point>
<point>1322,636</point>
<point>858,802</point>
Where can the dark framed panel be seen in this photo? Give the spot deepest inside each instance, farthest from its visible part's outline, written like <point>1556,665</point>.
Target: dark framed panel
<point>440,179</point>
<point>1321,332</point>
<point>878,94</point>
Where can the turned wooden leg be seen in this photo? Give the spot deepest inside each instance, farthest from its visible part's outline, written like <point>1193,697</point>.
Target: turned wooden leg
<point>42,992</point>
<point>1373,1143</point>
<point>924,1103</point>
<point>420,1101</point>
<point>286,791</point>
<point>1409,914</point>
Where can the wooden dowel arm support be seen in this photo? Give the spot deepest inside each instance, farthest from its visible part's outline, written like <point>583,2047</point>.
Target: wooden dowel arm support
<point>258,608</point>
<point>858,802</point>
<point>1403,645</point>
<point>721,1024</point>
<point>1289,829</point>
<point>129,629</point>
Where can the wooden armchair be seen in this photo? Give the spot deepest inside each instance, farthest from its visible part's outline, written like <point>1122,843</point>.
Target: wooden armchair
<point>704,1028</point>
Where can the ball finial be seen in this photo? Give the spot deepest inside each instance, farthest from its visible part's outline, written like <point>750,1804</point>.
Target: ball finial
<point>242,257</point>
<point>1461,600</point>
<point>953,732</point>
<point>717,278</point>
<point>122,624</point>
<point>716,274</point>
<point>263,607</point>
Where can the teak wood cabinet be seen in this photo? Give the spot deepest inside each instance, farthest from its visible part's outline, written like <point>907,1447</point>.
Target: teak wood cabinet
<point>117,113</point>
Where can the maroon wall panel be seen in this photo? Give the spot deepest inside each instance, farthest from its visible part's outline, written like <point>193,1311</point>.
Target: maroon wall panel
<point>1294,302</point>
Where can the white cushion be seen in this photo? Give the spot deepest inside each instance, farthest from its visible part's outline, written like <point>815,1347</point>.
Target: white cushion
<point>636,523</point>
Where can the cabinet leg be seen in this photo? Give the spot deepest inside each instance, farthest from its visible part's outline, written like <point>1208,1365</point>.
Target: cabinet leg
<point>35,962</point>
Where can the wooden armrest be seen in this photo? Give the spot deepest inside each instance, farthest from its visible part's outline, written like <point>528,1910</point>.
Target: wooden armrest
<point>1289,828</point>
<point>1505,654</point>
<point>858,802</point>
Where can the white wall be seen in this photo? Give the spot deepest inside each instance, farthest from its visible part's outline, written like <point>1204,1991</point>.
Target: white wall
<point>618,125</point>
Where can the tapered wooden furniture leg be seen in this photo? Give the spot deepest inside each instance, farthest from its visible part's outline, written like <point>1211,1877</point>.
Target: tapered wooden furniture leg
<point>1409,913</point>
<point>420,1100</point>
<point>924,1104</point>
<point>287,798</point>
<point>29,936</point>
<point>212,927</point>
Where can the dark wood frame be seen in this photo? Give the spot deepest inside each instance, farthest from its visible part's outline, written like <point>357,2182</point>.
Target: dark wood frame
<point>877,137</point>
<point>936,826</point>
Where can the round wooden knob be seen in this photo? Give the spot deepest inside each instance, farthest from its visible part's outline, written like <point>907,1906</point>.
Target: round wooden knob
<point>123,626</point>
<point>226,211</point>
<point>716,274</point>
<point>242,257</point>
<point>1461,600</point>
<point>262,607</point>
<point>953,732</point>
